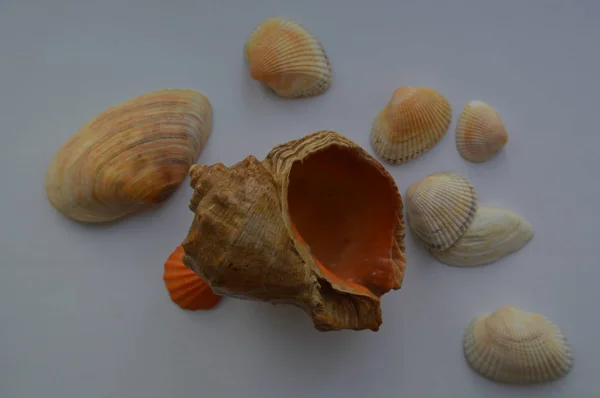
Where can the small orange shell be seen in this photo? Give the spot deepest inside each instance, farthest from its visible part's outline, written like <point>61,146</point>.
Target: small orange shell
<point>185,287</point>
<point>480,132</point>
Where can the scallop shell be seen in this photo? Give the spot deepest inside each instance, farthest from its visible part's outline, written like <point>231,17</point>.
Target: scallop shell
<point>516,347</point>
<point>317,224</point>
<point>440,208</point>
<point>130,157</point>
<point>185,287</point>
<point>494,233</point>
<point>288,58</point>
<point>413,121</point>
<point>480,132</point>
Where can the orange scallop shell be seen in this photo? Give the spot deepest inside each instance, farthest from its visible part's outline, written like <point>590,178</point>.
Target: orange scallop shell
<point>185,287</point>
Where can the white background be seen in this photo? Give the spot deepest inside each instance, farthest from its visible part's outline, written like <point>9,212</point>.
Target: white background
<point>83,309</point>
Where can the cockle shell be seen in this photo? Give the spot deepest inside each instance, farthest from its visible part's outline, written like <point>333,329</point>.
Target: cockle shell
<point>185,287</point>
<point>130,157</point>
<point>288,58</point>
<point>440,208</point>
<point>480,132</point>
<point>494,233</point>
<point>413,121</point>
<point>516,347</point>
<point>317,224</point>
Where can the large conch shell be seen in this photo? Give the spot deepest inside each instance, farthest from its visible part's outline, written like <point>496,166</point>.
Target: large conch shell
<point>516,347</point>
<point>130,157</point>
<point>317,224</point>
<point>285,56</point>
<point>494,233</point>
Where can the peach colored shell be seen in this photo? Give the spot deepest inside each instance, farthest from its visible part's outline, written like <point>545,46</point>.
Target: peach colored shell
<point>480,132</point>
<point>285,56</point>
<point>414,120</point>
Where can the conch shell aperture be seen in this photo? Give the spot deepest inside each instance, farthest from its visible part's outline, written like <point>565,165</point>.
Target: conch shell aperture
<point>317,224</point>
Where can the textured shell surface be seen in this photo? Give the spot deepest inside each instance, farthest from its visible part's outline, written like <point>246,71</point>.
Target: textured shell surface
<point>185,287</point>
<point>494,233</point>
<point>516,347</point>
<point>413,121</point>
<point>285,56</point>
<point>317,224</point>
<point>440,208</point>
<point>130,157</point>
<point>480,132</point>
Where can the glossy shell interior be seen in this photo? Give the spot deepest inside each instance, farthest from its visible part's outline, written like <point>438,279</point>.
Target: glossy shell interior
<point>345,211</point>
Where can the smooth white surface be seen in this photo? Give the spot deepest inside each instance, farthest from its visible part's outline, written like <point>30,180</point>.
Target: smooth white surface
<point>83,309</point>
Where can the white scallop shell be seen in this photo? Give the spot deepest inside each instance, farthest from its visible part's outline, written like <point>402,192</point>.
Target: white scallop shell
<point>494,233</point>
<point>516,347</point>
<point>440,208</point>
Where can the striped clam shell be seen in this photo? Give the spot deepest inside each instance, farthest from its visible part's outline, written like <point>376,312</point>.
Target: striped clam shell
<point>130,157</point>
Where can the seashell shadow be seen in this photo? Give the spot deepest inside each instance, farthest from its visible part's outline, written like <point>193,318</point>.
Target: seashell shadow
<point>317,224</point>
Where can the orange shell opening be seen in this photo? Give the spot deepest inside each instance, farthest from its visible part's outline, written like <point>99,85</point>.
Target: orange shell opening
<point>345,209</point>
<point>185,287</point>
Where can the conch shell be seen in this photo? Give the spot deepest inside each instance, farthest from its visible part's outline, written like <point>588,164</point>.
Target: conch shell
<point>285,56</point>
<point>130,157</point>
<point>317,224</point>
